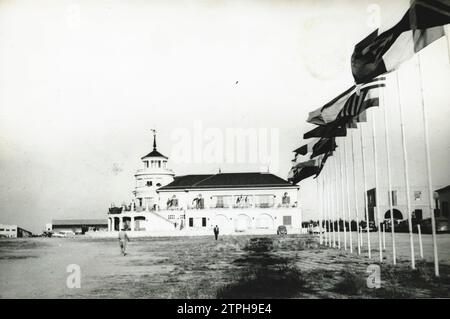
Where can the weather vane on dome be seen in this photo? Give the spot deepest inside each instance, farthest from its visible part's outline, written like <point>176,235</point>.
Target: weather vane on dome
<point>154,138</point>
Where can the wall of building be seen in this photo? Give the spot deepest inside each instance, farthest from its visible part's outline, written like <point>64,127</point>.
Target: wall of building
<point>229,220</point>
<point>9,231</point>
<point>243,220</point>
<point>78,229</point>
<point>443,205</point>
<point>418,197</point>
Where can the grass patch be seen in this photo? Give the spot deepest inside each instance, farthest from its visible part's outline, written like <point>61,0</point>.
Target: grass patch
<point>392,292</point>
<point>259,244</point>
<point>351,284</point>
<point>282,281</point>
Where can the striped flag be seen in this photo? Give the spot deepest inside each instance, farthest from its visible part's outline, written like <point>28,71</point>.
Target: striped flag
<point>360,101</point>
<point>350,103</point>
<point>382,51</point>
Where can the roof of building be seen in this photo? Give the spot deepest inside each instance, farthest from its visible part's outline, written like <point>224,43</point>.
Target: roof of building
<point>226,180</point>
<point>154,153</point>
<point>443,189</point>
<point>24,230</point>
<point>74,222</point>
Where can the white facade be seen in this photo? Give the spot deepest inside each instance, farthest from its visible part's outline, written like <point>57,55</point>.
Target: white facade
<point>234,208</point>
<point>9,231</point>
<point>418,197</point>
<point>265,209</point>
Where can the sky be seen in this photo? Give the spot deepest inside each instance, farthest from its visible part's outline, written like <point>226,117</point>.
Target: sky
<point>82,83</point>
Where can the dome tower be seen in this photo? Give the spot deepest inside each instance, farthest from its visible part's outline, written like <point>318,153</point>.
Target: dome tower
<point>154,175</point>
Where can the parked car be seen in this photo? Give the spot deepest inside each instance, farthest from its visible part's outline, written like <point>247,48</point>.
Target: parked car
<point>372,226</point>
<point>315,229</point>
<point>442,226</point>
<point>282,230</point>
<point>403,226</point>
<point>63,233</point>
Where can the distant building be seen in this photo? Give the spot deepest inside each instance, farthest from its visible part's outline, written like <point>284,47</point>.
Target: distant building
<point>9,231</point>
<point>79,226</point>
<point>237,202</point>
<point>442,200</point>
<point>23,233</point>
<point>419,200</point>
<point>12,231</point>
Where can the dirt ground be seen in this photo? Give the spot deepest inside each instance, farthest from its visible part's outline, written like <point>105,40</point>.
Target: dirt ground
<point>294,266</point>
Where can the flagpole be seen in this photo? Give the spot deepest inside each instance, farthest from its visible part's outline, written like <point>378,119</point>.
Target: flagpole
<point>406,171</point>
<point>328,207</point>
<point>343,200</point>
<point>388,157</point>
<point>348,198</point>
<point>356,195</point>
<point>375,161</point>
<point>319,198</point>
<point>337,199</point>
<point>447,35</point>
<point>325,204</point>
<point>332,212</point>
<point>428,164</point>
<point>365,192</point>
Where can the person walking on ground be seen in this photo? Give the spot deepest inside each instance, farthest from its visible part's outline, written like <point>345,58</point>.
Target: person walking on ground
<point>123,238</point>
<point>216,232</point>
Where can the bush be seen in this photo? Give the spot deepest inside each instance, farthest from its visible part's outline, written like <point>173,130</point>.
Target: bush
<point>282,281</point>
<point>351,284</point>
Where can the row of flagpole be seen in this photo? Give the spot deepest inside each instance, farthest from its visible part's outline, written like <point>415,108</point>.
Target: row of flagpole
<point>329,198</point>
<point>381,52</point>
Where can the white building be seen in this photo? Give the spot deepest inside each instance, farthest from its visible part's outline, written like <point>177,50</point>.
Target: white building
<point>236,202</point>
<point>9,231</point>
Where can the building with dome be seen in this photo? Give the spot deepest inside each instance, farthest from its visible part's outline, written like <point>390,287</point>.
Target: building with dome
<point>247,202</point>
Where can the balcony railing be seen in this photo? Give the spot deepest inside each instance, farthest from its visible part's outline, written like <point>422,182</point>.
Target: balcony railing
<point>119,210</point>
<point>153,170</point>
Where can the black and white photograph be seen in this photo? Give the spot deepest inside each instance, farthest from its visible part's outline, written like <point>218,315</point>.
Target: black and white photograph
<point>252,150</point>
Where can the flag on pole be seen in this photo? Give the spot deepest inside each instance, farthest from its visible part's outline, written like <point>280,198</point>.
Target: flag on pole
<point>329,111</point>
<point>385,49</point>
<point>348,104</point>
<point>358,103</point>
<point>323,146</point>
<point>323,160</point>
<point>353,122</point>
<point>298,174</point>
<point>298,165</point>
<point>327,131</point>
<point>307,148</point>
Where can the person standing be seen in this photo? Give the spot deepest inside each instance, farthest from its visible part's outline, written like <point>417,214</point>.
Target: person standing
<point>123,238</point>
<point>216,232</point>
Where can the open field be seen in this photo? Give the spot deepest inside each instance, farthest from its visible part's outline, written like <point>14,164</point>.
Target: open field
<point>199,267</point>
